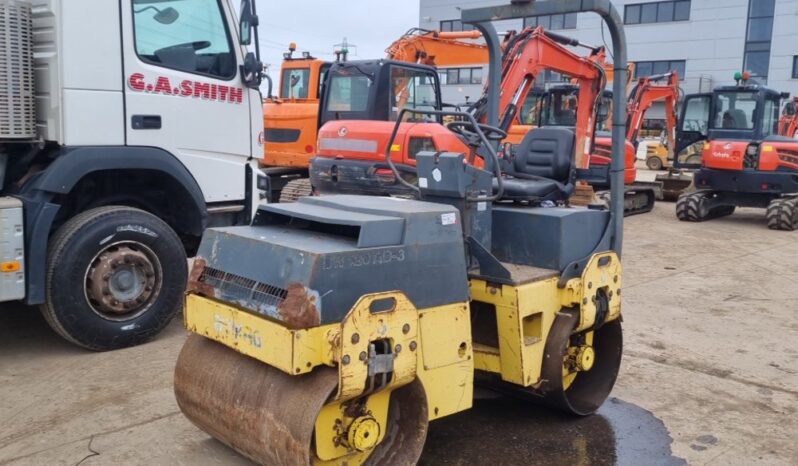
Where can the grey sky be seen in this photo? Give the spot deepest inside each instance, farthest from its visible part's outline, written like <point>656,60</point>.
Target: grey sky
<point>316,25</point>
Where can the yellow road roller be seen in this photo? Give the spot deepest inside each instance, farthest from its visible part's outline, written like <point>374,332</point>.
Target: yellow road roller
<point>332,330</point>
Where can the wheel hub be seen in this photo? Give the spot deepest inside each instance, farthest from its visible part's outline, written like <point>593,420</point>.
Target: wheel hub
<point>122,279</point>
<point>364,433</point>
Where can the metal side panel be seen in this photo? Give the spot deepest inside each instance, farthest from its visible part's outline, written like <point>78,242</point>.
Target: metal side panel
<point>47,70</point>
<point>12,250</point>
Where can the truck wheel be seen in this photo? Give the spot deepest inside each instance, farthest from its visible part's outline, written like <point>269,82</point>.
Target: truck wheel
<point>782,214</point>
<point>654,163</point>
<point>115,278</point>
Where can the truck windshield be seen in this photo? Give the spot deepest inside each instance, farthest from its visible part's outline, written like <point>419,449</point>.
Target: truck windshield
<point>294,83</point>
<point>734,110</point>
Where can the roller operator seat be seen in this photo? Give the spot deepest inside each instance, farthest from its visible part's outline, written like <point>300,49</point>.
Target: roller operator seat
<point>541,168</point>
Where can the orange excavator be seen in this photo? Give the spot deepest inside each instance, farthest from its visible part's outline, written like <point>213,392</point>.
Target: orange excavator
<point>559,107</point>
<point>663,87</point>
<point>291,121</point>
<point>360,166</point>
<point>788,123</point>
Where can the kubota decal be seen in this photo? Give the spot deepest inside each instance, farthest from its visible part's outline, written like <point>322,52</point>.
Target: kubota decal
<point>187,88</point>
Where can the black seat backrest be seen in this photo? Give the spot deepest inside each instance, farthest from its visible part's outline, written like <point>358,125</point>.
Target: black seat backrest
<point>546,152</point>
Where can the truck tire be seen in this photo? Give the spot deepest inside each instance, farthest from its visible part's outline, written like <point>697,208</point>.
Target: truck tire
<point>782,214</point>
<point>115,278</point>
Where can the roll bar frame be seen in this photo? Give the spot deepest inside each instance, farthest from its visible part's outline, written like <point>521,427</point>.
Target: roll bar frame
<point>482,19</point>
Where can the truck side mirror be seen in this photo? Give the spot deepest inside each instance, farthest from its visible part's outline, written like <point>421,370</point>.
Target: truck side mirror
<point>247,22</point>
<point>252,71</point>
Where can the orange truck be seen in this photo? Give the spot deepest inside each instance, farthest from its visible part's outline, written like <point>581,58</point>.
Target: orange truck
<point>292,119</point>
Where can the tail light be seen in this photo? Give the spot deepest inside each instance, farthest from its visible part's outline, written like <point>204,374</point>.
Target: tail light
<point>385,175</point>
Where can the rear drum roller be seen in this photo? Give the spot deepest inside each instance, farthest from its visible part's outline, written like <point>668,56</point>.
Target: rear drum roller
<point>270,417</point>
<point>579,370</point>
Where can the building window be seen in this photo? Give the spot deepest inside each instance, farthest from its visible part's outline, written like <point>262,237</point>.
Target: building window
<point>649,68</point>
<point>552,22</point>
<point>795,67</point>
<point>758,37</point>
<point>461,76</point>
<point>454,25</point>
<point>657,12</point>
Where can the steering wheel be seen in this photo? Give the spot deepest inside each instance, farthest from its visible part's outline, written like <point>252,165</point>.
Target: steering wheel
<point>196,45</point>
<point>467,130</point>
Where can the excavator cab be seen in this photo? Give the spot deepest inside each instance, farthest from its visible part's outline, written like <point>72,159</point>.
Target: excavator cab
<point>744,161</point>
<point>378,90</point>
<point>729,113</point>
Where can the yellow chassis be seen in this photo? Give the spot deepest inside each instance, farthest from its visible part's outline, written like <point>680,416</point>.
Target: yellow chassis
<point>432,345</point>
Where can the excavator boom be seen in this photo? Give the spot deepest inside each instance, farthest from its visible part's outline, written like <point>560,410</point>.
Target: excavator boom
<point>438,48</point>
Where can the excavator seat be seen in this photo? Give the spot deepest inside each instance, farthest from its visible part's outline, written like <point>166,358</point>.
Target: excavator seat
<point>541,168</point>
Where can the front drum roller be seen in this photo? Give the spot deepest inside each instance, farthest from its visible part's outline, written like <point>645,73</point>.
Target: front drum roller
<point>271,417</point>
<point>580,369</point>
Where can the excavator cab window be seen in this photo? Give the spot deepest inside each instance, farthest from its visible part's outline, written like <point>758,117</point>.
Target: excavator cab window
<point>770,117</point>
<point>412,88</point>
<point>294,83</point>
<point>734,110</point>
<point>692,131</point>
<point>561,107</point>
<point>348,93</point>
<point>531,108</point>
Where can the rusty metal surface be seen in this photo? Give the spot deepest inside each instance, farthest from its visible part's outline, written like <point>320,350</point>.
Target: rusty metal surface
<point>194,283</point>
<point>298,309</point>
<point>257,410</point>
<point>269,416</point>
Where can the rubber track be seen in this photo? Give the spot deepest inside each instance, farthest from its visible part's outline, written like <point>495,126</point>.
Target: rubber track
<point>295,189</point>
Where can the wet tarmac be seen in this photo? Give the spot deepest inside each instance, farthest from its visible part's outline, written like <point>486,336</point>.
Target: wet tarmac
<point>504,431</point>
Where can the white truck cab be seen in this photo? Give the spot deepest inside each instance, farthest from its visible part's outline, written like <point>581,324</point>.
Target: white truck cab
<point>132,126</point>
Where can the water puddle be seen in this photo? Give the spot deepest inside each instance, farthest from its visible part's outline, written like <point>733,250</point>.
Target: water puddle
<point>506,431</point>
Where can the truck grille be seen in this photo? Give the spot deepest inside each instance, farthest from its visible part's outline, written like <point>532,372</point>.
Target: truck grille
<point>17,98</point>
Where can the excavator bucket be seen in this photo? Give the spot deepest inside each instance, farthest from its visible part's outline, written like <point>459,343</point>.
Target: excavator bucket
<point>674,183</point>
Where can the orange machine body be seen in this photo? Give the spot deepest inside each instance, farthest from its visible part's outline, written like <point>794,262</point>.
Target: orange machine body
<point>788,123</point>
<point>290,120</point>
<point>291,123</point>
<point>368,140</point>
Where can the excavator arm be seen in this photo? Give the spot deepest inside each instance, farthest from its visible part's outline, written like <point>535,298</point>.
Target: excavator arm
<point>788,123</point>
<point>534,50</point>
<point>438,48</point>
<point>647,91</point>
